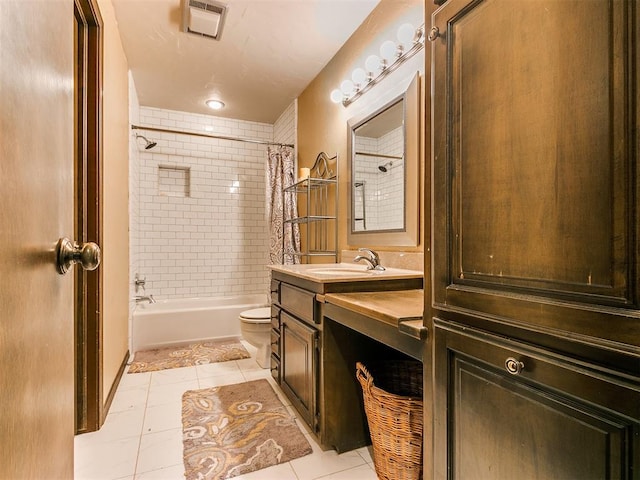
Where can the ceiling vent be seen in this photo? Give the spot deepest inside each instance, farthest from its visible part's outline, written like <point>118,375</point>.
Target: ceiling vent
<point>203,17</point>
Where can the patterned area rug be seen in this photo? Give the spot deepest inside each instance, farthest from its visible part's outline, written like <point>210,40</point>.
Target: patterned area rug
<point>187,355</point>
<point>237,429</point>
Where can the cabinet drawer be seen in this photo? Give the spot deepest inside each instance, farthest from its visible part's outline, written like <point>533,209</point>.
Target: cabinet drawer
<point>275,291</point>
<point>275,342</point>
<point>297,301</point>
<point>275,317</point>
<point>275,369</point>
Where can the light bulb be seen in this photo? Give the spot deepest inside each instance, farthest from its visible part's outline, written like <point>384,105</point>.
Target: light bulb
<point>406,34</point>
<point>337,95</point>
<point>346,87</point>
<point>359,76</point>
<point>215,104</point>
<point>372,64</point>
<point>388,50</point>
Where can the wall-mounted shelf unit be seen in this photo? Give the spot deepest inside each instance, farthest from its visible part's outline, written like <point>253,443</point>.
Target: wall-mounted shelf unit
<point>317,199</point>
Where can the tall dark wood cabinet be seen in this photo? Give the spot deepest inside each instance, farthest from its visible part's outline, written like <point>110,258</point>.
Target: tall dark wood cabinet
<point>536,239</point>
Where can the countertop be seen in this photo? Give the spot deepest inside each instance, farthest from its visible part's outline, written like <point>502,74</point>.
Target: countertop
<point>343,272</point>
<point>397,310</point>
<point>392,307</point>
<point>393,296</point>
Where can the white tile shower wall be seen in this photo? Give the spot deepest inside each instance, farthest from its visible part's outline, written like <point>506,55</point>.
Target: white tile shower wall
<point>284,130</point>
<point>174,181</point>
<point>383,192</point>
<point>215,241</point>
<point>391,183</point>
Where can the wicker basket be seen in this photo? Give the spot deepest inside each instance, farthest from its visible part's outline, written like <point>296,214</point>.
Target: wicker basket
<point>395,417</point>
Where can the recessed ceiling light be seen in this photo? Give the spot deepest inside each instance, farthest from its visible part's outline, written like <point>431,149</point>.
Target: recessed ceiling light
<point>215,104</point>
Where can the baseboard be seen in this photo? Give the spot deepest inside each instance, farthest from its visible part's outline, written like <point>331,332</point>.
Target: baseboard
<point>114,388</point>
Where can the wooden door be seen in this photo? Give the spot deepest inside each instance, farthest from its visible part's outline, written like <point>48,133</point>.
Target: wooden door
<point>535,191</point>
<point>88,203</point>
<point>36,208</point>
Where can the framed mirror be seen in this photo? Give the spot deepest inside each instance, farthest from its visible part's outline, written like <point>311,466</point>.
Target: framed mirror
<point>384,167</point>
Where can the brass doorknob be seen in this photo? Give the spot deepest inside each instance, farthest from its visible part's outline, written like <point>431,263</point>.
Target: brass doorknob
<point>433,34</point>
<point>68,253</point>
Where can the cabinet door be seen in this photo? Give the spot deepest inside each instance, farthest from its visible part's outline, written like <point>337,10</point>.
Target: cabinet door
<point>299,366</point>
<point>535,165</point>
<point>556,418</point>
<point>535,237</point>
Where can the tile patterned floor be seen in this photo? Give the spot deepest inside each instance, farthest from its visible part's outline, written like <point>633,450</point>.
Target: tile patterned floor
<point>141,438</point>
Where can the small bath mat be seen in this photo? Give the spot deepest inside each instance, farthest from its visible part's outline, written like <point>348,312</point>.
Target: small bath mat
<point>187,355</point>
<point>237,429</point>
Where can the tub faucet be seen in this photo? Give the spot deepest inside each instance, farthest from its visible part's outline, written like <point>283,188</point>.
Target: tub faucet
<point>372,259</point>
<point>143,298</point>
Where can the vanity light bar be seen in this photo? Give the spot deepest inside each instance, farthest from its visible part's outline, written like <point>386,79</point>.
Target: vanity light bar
<point>410,42</point>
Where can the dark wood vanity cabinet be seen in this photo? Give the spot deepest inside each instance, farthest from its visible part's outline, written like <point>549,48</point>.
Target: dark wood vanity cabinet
<point>295,348</point>
<point>535,201</point>
<point>313,358</point>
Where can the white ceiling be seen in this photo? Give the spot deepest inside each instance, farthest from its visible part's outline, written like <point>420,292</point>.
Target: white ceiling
<point>269,51</point>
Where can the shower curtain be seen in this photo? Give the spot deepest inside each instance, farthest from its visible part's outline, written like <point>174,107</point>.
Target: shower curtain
<point>283,239</point>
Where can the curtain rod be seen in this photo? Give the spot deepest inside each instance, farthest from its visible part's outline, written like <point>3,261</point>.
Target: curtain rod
<point>219,137</point>
<point>380,155</point>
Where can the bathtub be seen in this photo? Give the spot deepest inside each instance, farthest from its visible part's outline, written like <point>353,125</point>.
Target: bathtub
<point>172,322</point>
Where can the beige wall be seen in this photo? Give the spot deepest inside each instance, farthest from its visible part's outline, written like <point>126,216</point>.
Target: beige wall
<point>322,125</point>
<point>115,205</point>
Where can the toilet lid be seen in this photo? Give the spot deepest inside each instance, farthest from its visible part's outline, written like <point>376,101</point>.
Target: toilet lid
<point>257,314</point>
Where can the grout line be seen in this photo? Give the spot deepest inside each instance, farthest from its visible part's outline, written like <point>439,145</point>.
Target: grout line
<point>144,417</point>
<point>340,471</point>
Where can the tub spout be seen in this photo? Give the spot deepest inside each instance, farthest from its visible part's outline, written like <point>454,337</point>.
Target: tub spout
<point>145,298</point>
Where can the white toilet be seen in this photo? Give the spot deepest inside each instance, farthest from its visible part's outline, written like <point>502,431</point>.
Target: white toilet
<point>255,326</point>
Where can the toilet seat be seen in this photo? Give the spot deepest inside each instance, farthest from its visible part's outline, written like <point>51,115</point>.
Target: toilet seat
<point>257,315</point>
<point>255,327</point>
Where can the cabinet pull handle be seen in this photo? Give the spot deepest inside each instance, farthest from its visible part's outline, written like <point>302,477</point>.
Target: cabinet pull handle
<point>513,366</point>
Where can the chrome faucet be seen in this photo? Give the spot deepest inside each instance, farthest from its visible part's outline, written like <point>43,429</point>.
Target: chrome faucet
<point>139,282</point>
<point>143,298</point>
<point>372,259</point>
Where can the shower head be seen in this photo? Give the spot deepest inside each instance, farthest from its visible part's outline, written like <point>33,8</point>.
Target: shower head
<point>149,144</point>
<point>385,168</point>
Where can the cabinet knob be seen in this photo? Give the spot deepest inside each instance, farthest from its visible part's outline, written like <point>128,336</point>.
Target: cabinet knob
<point>513,366</point>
